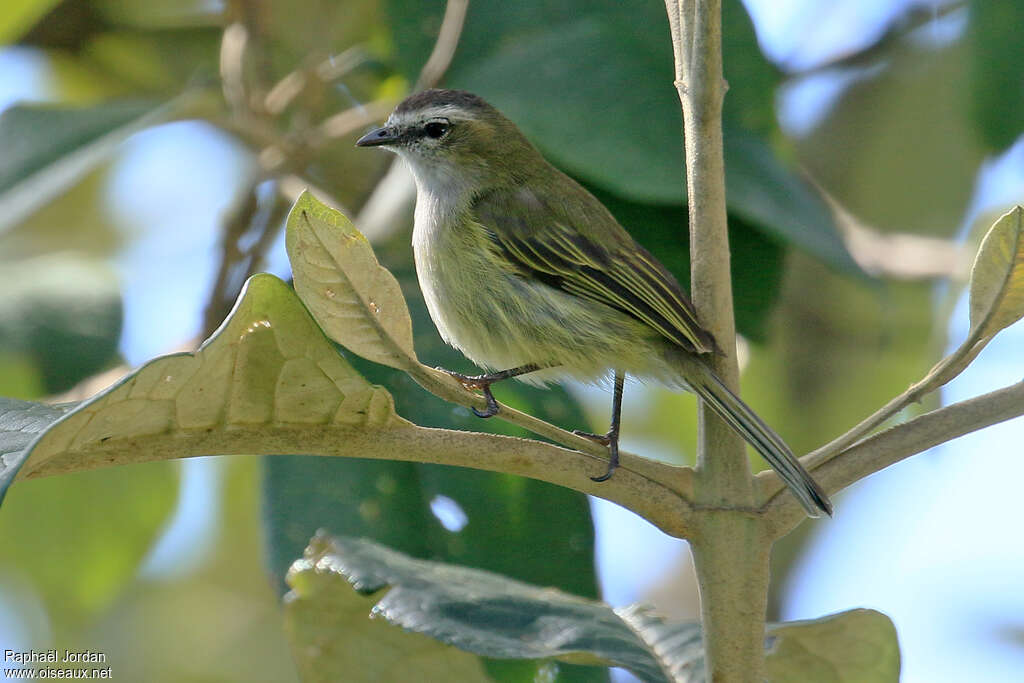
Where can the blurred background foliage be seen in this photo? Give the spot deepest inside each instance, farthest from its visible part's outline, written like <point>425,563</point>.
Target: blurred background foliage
<point>150,150</point>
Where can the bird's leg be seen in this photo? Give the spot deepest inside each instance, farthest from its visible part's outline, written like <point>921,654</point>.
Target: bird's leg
<point>483,383</point>
<point>611,439</point>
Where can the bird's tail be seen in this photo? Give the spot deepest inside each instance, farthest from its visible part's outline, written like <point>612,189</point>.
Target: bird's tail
<point>731,408</point>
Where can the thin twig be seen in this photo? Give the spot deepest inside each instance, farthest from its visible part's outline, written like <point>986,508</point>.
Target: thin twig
<point>232,60</point>
<point>897,443</point>
<point>249,223</point>
<point>943,371</point>
<point>444,49</point>
<point>284,92</point>
<point>351,120</point>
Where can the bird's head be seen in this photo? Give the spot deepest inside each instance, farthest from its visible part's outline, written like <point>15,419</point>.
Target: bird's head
<point>454,140</point>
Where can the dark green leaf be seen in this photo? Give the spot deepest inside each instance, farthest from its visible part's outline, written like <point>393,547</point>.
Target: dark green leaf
<point>21,422</point>
<point>770,196</point>
<point>62,312</point>
<point>478,611</point>
<point>997,62</point>
<point>332,640</point>
<point>49,147</point>
<point>495,616</point>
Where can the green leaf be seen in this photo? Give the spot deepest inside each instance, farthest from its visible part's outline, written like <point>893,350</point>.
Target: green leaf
<point>47,148</point>
<point>21,15</point>
<point>595,105</point>
<point>156,61</point>
<point>494,616</point>
<point>358,302</point>
<point>997,278</point>
<point>80,539</point>
<point>857,646</point>
<point>64,313</point>
<point>766,194</point>
<point>332,640</point>
<point>996,62</point>
<point>476,611</point>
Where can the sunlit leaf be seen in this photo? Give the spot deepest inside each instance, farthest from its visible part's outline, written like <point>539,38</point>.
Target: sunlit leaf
<point>20,15</point>
<point>268,381</point>
<point>997,279</point>
<point>857,646</point>
<point>49,147</point>
<point>495,616</point>
<point>357,301</point>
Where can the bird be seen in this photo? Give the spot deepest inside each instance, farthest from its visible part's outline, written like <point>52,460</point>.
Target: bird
<point>530,276</point>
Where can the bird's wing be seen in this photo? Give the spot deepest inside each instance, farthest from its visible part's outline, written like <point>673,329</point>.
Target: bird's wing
<point>539,239</point>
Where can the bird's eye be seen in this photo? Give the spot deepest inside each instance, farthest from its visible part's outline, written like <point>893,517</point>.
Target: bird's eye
<point>436,129</point>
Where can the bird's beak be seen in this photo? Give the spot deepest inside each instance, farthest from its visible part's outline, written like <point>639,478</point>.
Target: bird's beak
<point>378,136</point>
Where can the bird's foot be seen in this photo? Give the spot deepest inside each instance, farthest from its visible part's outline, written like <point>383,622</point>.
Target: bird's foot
<point>611,440</point>
<point>481,383</point>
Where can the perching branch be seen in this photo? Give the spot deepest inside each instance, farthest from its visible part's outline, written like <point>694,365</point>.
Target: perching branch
<point>678,479</point>
<point>635,486</point>
<point>270,382</point>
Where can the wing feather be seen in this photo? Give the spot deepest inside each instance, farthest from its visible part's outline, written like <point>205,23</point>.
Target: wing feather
<point>626,277</point>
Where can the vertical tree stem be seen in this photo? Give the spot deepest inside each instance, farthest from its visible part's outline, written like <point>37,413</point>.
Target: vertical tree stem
<point>721,454</point>
<point>733,577</point>
<point>731,546</point>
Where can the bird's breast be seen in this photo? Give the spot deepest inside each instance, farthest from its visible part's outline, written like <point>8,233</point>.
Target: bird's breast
<point>457,278</point>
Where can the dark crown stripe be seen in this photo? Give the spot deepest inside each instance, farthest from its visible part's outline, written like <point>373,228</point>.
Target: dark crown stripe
<point>439,98</point>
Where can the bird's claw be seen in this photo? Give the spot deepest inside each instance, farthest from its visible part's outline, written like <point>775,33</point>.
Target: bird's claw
<point>613,460</point>
<point>611,441</point>
<point>478,383</point>
<point>492,404</point>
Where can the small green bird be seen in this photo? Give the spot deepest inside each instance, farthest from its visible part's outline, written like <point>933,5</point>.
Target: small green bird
<point>530,276</point>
